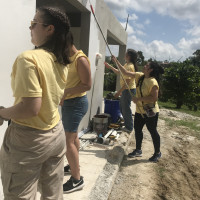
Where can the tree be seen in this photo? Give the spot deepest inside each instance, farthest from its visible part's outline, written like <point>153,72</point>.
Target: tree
<point>140,59</point>
<point>181,84</point>
<point>195,59</point>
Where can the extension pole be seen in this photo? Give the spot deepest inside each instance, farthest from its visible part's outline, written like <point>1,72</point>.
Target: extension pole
<point>111,53</point>
<point>110,50</point>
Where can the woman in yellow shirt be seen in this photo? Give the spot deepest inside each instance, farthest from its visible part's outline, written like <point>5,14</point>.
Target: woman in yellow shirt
<point>34,143</point>
<point>125,99</point>
<point>147,110</point>
<point>74,107</point>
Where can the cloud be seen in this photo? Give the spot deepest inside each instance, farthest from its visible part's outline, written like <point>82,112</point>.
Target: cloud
<point>194,31</point>
<point>160,50</point>
<point>187,10</point>
<point>133,17</point>
<point>183,11</point>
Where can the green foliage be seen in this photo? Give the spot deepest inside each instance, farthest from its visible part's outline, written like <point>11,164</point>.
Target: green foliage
<point>181,84</point>
<point>109,80</point>
<point>140,59</point>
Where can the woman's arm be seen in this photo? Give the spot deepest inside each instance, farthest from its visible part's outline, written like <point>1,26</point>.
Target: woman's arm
<point>153,97</point>
<point>27,108</point>
<point>116,71</point>
<point>123,70</point>
<point>84,73</point>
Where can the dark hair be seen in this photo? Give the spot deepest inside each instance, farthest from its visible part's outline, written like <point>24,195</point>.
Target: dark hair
<point>133,57</point>
<point>58,44</point>
<point>156,72</point>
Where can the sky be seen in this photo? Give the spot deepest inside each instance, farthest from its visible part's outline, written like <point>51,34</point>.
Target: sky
<point>161,29</point>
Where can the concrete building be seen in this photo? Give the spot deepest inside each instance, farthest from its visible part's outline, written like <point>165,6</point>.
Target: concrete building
<point>15,38</point>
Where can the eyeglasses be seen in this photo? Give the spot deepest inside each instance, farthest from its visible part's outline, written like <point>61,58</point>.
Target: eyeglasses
<point>33,23</point>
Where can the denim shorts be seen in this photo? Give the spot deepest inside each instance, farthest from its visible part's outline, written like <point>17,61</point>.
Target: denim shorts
<point>73,110</point>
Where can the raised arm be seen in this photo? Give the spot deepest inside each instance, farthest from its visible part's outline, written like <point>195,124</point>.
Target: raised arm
<point>116,71</point>
<point>123,70</point>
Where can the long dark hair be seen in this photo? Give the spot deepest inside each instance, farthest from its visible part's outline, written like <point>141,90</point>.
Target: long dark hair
<point>59,43</point>
<point>156,73</point>
<point>133,57</point>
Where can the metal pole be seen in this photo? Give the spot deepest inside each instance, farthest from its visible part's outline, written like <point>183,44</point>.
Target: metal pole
<point>112,54</point>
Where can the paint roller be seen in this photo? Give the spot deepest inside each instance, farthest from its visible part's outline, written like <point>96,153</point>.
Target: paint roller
<point>112,54</point>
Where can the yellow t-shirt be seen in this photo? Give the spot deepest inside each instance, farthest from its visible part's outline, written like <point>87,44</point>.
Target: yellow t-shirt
<point>36,73</point>
<point>146,88</point>
<point>73,78</point>
<point>129,67</point>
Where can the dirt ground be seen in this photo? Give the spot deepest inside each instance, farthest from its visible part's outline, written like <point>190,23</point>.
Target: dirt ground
<point>175,177</point>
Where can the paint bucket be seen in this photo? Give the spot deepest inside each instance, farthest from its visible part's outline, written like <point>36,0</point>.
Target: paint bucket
<point>100,124</point>
<point>112,107</point>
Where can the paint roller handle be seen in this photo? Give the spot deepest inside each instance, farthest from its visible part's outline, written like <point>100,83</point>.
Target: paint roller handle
<point>92,9</point>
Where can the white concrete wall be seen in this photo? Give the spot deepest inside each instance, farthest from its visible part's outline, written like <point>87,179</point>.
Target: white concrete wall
<point>15,17</point>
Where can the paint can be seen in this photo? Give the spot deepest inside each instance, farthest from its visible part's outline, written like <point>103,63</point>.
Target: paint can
<point>100,124</point>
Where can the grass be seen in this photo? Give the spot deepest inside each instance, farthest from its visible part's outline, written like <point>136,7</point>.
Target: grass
<point>161,171</point>
<point>193,125</point>
<point>183,109</point>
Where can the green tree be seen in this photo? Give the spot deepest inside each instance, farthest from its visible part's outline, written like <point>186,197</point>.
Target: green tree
<point>140,59</point>
<point>181,84</point>
<point>195,59</point>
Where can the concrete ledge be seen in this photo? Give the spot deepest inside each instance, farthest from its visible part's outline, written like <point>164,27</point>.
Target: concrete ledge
<point>105,181</point>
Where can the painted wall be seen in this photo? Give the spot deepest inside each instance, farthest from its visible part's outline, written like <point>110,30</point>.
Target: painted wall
<point>15,17</point>
<point>109,23</point>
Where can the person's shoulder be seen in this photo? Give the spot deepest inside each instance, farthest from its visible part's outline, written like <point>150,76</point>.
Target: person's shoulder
<point>32,53</point>
<point>153,81</point>
<point>82,58</point>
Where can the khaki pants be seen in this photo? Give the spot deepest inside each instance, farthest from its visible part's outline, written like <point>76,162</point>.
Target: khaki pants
<point>29,156</point>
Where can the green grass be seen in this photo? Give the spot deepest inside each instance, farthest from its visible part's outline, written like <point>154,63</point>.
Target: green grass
<point>191,124</point>
<point>183,109</point>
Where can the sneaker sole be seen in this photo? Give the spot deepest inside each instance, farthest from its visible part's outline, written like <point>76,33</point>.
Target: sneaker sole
<point>135,156</point>
<point>67,173</point>
<point>80,187</point>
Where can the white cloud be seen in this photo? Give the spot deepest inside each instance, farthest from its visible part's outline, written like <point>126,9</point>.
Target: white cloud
<point>187,10</point>
<point>158,49</point>
<point>183,11</point>
<point>133,17</point>
<point>129,30</point>
<point>195,31</point>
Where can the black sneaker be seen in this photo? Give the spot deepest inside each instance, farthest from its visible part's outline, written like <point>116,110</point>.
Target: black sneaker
<point>72,185</point>
<point>155,157</point>
<point>135,153</point>
<point>67,169</point>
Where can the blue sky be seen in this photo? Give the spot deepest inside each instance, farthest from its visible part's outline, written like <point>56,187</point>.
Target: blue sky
<point>161,29</point>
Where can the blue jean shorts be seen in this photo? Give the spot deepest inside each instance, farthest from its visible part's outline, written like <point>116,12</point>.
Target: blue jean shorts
<point>73,110</point>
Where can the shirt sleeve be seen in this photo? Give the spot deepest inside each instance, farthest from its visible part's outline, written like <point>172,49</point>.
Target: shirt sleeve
<point>26,79</point>
<point>137,76</point>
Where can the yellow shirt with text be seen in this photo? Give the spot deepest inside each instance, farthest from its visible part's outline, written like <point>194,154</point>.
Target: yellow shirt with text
<point>147,85</point>
<point>36,73</point>
<point>129,67</point>
<point>73,78</point>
